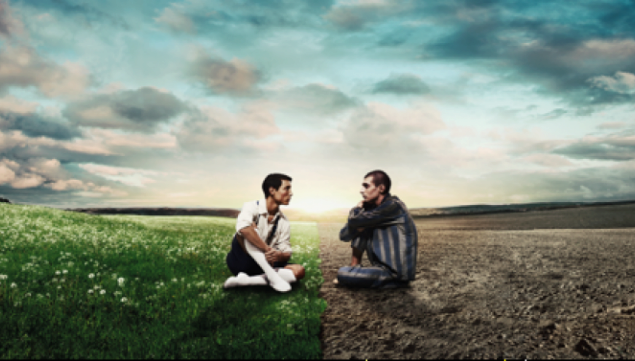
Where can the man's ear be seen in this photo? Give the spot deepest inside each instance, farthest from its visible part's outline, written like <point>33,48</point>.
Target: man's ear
<point>382,188</point>
<point>272,190</point>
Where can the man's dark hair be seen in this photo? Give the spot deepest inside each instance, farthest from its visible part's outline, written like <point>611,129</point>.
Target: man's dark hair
<point>273,180</point>
<point>380,177</point>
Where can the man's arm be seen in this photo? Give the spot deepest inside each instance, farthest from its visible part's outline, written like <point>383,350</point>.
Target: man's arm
<point>283,254</point>
<point>277,256</point>
<point>384,214</point>
<point>347,233</point>
<point>251,235</point>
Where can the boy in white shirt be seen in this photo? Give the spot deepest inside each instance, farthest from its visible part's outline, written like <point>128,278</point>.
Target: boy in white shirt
<point>261,247</point>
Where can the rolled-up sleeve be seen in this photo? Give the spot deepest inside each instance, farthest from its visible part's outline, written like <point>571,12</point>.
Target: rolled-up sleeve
<point>246,216</point>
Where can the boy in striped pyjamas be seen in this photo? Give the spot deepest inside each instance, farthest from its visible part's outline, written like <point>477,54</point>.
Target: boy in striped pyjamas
<point>381,226</point>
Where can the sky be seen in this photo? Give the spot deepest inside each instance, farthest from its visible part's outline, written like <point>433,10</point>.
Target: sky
<point>192,103</point>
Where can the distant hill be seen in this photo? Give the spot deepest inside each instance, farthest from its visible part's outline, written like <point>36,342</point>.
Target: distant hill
<point>340,215</point>
<point>505,208</point>
<point>164,211</point>
<point>292,213</point>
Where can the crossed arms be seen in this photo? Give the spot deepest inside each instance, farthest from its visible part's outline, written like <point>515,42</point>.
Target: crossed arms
<point>360,219</point>
<point>250,234</point>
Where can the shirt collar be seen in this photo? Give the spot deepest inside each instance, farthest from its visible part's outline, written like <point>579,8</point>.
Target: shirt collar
<point>262,209</point>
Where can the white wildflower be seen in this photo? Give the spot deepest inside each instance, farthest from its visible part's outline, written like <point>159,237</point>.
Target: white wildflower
<point>121,281</point>
<point>63,280</point>
<point>117,293</point>
<point>65,271</point>
<point>57,273</point>
<point>54,280</point>
<point>102,292</point>
<point>124,300</point>
<point>97,287</point>
<point>90,292</point>
<point>174,280</point>
<point>28,294</point>
<point>3,277</point>
<point>13,285</point>
<point>92,275</point>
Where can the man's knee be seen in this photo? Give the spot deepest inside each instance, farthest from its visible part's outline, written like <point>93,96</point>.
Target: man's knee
<point>298,270</point>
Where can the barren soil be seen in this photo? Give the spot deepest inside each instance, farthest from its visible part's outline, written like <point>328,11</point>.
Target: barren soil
<point>495,286</point>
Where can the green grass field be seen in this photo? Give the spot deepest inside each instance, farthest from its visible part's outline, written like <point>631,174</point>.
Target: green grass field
<point>80,286</point>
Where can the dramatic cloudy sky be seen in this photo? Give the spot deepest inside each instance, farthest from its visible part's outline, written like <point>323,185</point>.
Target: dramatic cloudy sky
<point>192,103</point>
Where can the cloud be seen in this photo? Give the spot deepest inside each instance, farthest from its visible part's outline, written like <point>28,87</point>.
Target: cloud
<point>9,25</point>
<point>316,99</point>
<point>11,104</point>
<point>29,173</point>
<point>612,125</point>
<point>128,176</point>
<point>402,84</point>
<point>537,43</point>
<point>6,173</point>
<point>114,139</point>
<point>174,18</point>
<point>22,67</point>
<point>36,125</point>
<point>622,82</point>
<point>380,126</point>
<point>554,114</point>
<point>44,179</point>
<point>234,77</point>
<point>211,129</point>
<point>214,16</point>
<point>86,13</point>
<point>598,183</point>
<point>548,160</point>
<point>357,15</point>
<point>140,110</point>
<point>616,147</point>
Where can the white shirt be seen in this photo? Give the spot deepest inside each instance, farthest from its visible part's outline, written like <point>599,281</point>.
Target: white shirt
<point>256,212</point>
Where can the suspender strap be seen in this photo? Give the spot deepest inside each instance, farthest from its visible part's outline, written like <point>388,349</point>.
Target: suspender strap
<point>273,230</point>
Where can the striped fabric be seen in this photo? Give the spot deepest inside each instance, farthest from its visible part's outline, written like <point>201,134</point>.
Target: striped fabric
<point>389,237</point>
<point>371,277</point>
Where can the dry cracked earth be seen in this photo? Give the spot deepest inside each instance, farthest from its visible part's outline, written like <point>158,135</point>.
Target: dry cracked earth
<point>547,284</point>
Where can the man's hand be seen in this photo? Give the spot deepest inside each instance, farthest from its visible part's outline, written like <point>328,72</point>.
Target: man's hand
<point>272,256</point>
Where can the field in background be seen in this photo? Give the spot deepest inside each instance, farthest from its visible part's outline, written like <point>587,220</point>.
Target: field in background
<point>74,285</point>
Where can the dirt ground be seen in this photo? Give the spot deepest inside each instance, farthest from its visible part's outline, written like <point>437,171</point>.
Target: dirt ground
<point>495,286</point>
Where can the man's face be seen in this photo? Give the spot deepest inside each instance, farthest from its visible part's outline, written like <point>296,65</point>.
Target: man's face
<point>369,191</point>
<point>283,194</point>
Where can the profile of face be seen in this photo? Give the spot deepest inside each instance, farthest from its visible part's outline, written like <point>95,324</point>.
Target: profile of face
<point>370,193</point>
<point>283,194</point>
